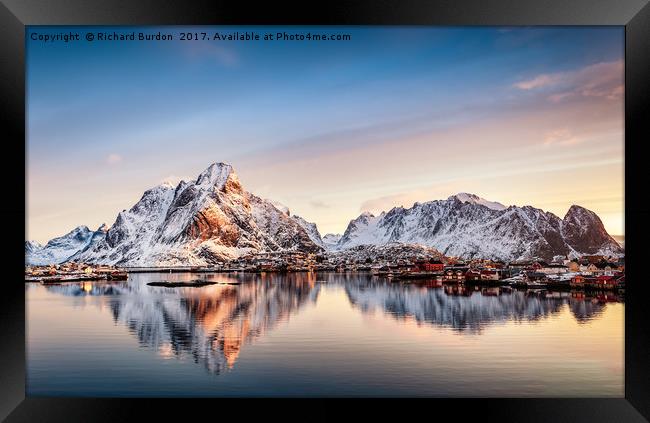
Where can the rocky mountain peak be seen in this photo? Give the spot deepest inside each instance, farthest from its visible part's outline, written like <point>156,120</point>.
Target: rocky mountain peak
<point>79,231</point>
<point>465,197</point>
<point>217,175</point>
<point>579,213</point>
<point>31,246</point>
<point>331,239</point>
<point>202,221</point>
<point>585,232</point>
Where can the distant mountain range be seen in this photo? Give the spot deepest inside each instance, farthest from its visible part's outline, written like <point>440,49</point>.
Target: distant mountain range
<point>466,225</point>
<point>65,247</point>
<point>212,219</point>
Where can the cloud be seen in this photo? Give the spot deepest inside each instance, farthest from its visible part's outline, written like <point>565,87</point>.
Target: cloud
<point>377,205</point>
<point>561,136</point>
<point>441,190</point>
<point>556,98</point>
<point>113,159</point>
<point>599,80</point>
<point>318,204</point>
<point>539,81</point>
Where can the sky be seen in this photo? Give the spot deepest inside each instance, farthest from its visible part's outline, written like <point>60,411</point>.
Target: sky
<point>395,115</point>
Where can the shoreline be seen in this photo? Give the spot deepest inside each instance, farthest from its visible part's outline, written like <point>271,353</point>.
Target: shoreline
<point>553,286</point>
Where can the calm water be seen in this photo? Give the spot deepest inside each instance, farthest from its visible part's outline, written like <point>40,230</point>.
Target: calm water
<point>318,335</point>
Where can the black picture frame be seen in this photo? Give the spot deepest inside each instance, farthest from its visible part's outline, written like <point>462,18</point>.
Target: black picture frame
<point>633,14</point>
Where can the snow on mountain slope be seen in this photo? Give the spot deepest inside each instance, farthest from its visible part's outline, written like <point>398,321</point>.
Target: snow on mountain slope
<point>198,222</point>
<point>363,230</point>
<point>287,232</point>
<point>278,205</point>
<point>95,238</point>
<point>475,199</point>
<point>330,240</point>
<point>311,229</point>
<point>384,253</point>
<point>470,227</point>
<point>212,219</point>
<point>60,249</point>
<point>32,246</point>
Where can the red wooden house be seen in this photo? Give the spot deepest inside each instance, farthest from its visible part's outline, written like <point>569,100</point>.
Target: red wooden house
<point>432,265</point>
<point>606,281</point>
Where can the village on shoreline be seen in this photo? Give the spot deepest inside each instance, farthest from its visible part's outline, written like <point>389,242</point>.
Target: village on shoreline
<point>595,272</point>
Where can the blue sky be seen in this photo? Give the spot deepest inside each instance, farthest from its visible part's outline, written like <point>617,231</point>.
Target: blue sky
<point>326,127</point>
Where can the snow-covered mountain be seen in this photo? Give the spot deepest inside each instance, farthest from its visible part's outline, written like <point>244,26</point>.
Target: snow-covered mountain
<point>468,226</point>
<point>475,199</point>
<point>383,253</point>
<point>311,229</point>
<point>330,240</point>
<point>61,249</point>
<point>212,219</point>
<point>199,222</point>
<point>32,247</point>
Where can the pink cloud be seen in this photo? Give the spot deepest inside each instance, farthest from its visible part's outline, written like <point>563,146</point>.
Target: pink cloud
<point>561,136</point>
<point>113,158</point>
<point>602,80</point>
<point>539,81</point>
<point>556,98</point>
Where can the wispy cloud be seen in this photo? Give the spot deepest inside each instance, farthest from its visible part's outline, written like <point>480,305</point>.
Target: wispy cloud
<point>113,159</point>
<point>539,81</point>
<point>317,204</point>
<point>602,80</point>
<point>562,136</point>
<point>377,205</point>
<point>440,191</point>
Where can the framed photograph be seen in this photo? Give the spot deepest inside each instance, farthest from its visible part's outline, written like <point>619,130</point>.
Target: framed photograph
<point>358,201</point>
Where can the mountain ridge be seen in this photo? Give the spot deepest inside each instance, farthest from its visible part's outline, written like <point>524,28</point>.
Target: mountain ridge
<point>474,227</point>
<point>213,218</point>
<point>198,222</point>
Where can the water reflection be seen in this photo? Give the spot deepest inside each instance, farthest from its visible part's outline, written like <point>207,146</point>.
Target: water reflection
<point>210,325</point>
<point>80,289</point>
<point>469,308</point>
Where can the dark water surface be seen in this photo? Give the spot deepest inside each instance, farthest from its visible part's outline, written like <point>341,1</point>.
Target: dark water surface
<point>307,334</point>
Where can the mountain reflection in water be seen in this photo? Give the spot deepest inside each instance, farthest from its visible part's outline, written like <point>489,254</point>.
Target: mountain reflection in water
<point>468,309</point>
<point>210,325</point>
